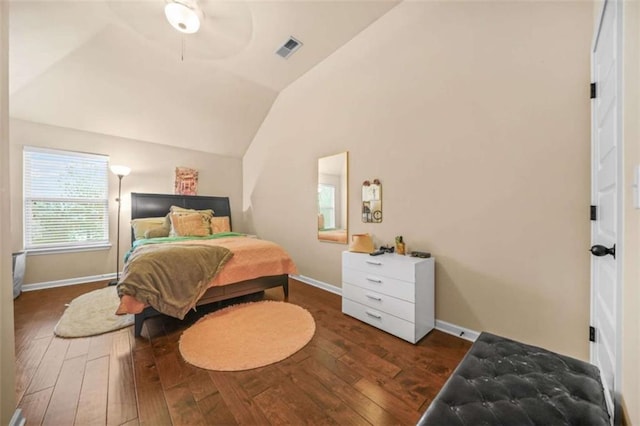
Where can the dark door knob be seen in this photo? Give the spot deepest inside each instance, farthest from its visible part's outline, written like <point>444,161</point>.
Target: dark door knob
<point>599,250</point>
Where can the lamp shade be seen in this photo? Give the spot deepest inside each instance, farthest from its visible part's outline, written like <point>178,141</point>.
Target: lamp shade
<point>183,17</point>
<point>120,170</point>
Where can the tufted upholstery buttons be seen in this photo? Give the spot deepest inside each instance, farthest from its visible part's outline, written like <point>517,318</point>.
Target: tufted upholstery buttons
<point>504,382</point>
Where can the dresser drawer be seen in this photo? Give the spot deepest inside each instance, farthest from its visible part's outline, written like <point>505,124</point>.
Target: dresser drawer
<point>380,302</point>
<point>387,322</point>
<point>388,265</point>
<point>379,283</point>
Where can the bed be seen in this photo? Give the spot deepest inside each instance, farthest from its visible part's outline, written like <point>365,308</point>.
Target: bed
<point>158,205</point>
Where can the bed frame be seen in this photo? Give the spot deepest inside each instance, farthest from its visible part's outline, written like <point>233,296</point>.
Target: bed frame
<point>158,205</point>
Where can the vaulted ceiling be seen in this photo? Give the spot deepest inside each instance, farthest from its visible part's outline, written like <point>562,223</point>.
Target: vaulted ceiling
<point>118,67</point>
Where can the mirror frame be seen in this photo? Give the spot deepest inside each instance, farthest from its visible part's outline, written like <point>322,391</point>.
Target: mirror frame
<point>339,235</point>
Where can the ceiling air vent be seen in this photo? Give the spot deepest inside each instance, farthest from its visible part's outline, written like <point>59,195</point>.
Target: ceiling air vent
<point>288,47</point>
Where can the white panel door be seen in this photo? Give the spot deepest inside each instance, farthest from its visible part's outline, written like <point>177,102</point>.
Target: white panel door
<point>606,196</point>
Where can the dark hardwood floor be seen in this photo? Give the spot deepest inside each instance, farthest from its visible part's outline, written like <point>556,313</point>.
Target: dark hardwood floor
<point>350,373</point>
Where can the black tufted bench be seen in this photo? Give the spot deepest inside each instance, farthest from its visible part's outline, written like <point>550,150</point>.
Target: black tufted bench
<point>504,382</point>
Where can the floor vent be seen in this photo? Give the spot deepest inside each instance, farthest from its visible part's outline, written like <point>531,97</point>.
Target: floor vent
<point>288,47</point>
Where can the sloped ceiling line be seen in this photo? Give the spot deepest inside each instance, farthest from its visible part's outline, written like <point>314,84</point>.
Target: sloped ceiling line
<point>75,64</point>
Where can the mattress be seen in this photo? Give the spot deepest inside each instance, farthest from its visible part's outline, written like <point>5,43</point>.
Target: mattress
<point>252,258</point>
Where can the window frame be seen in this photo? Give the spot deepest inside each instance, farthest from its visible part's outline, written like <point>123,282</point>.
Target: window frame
<point>97,160</point>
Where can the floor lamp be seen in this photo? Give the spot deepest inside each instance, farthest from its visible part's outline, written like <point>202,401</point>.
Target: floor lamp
<point>120,171</point>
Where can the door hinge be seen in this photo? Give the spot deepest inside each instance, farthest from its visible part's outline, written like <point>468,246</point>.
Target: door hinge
<point>592,334</point>
<point>593,90</point>
<point>593,213</point>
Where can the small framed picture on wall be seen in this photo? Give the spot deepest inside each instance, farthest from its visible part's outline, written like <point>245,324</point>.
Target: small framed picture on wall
<point>186,181</point>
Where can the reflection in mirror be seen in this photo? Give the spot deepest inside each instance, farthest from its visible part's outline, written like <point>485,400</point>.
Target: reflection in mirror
<point>372,201</point>
<point>332,198</point>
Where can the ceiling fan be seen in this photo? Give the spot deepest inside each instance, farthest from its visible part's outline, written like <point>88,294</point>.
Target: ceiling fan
<point>184,15</point>
<point>210,29</point>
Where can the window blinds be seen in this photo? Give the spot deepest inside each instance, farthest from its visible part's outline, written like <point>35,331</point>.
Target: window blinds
<point>65,199</point>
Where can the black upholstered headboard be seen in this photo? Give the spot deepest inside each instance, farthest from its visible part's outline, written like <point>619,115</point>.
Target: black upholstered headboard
<point>157,205</point>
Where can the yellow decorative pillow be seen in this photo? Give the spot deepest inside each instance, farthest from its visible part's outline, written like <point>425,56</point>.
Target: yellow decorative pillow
<point>142,225</point>
<point>207,214</point>
<point>189,225</point>
<point>220,224</point>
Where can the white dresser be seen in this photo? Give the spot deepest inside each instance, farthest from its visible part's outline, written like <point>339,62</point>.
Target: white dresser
<point>392,292</point>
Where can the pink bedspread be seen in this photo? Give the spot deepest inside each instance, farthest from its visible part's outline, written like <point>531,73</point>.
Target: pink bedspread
<point>252,258</point>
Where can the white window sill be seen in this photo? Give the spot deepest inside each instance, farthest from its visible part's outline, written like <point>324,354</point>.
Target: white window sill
<point>71,249</point>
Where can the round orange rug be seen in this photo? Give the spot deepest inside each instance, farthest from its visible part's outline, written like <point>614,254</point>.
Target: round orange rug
<point>246,336</point>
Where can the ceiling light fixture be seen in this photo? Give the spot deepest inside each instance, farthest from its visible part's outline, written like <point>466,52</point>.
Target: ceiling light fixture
<point>183,15</point>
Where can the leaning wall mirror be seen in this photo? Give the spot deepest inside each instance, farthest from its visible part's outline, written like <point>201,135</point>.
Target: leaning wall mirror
<point>332,198</point>
<point>372,201</point>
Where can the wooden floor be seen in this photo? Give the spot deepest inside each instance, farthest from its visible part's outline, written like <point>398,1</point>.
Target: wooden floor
<point>350,373</point>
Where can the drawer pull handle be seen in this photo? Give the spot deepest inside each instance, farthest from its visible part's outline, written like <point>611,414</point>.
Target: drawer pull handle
<point>379,299</point>
<point>373,315</point>
<point>370,262</point>
<point>373,280</point>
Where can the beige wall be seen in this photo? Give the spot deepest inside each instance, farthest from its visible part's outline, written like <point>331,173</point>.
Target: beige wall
<point>7,348</point>
<point>631,294</point>
<point>153,169</point>
<point>475,117</point>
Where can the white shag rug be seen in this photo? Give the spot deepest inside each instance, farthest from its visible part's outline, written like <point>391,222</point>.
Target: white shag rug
<point>92,313</point>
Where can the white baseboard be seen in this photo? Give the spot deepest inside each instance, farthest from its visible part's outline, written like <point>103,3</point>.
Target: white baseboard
<point>320,284</point>
<point>17,419</point>
<point>443,326</point>
<point>70,281</point>
<point>456,330</point>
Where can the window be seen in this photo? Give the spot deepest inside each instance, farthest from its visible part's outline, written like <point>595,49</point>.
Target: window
<point>327,204</point>
<point>65,200</point>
